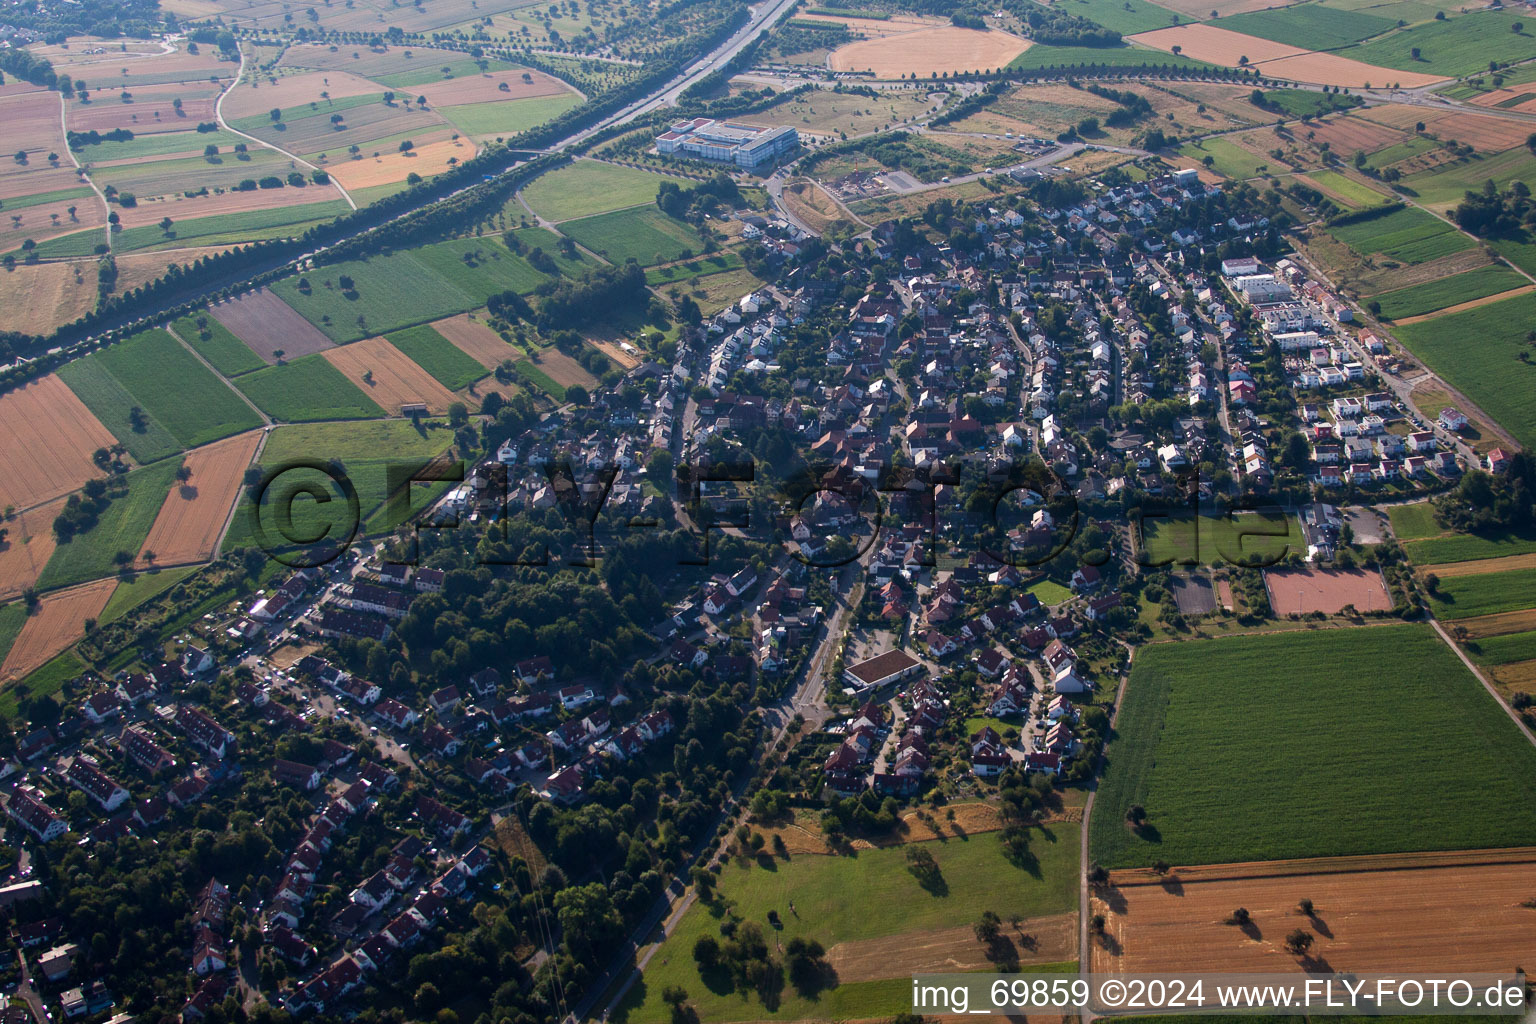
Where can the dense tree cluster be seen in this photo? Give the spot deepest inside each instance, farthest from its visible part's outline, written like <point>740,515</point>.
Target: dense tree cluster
<point>1490,213</point>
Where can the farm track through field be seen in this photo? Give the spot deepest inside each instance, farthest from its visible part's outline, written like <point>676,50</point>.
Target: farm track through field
<point>218,113</point>
<point>64,127</point>
<point>1463,306</point>
<point>267,420</point>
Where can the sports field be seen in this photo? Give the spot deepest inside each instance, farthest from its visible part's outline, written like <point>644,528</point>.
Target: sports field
<point>1184,539</point>
<point>1308,744</point>
<point>1476,352</point>
<point>643,234</point>
<point>307,389</point>
<point>588,187</point>
<point>976,876</point>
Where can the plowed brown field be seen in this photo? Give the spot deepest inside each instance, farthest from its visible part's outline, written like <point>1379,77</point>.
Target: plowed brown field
<point>58,622</point>
<point>396,380</point>
<point>27,548</point>
<point>1485,133</point>
<point>268,324</point>
<point>188,526</point>
<point>49,437</point>
<point>1427,912</point>
<point>477,340</point>
<point>927,51</point>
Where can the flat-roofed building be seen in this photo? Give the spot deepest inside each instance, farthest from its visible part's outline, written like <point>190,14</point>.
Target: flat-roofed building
<point>744,145</point>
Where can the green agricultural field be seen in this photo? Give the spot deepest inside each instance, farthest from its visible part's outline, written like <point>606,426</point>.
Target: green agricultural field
<point>1499,650</point>
<point>111,403</point>
<point>45,681</point>
<point>39,198</point>
<point>309,388</point>
<point>438,356</point>
<point>249,226</point>
<point>1356,195</point>
<point>645,235</point>
<point>171,385</point>
<point>1414,522</point>
<point>508,117</point>
<point>530,371</point>
<point>1467,547</point>
<point>406,288</point>
<point>546,240</point>
<point>719,263</point>
<point>977,876</point>
<point>12,617</point>
<point>214,342</point>
<point>1462,597</point>
<point>161,144</point>
<point>143,587</point>
<point>588,187</point>
<point>1521,253</point>
<point>1457,46</point>
<point>79,243</point>
<point>1476,352</point>
<point>368,453</point>
<point>253,123</point>
<point>462,68</point>
<point>1411,147</point>
<point>121,528</point>
<point>1445,187</point>
<point>1227,158</point>
<point>1310,26</point>
<point>1297,102</point>
<point>1448,291</point>
<point>1124,16</point>
<point>1091,56</point>
<point>1184,539</point>
<point>1310,744</point>
<point>1408,235</point>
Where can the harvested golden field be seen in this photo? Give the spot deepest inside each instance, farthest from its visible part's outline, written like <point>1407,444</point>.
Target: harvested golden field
<point>387,168</point>
<point>1485,133</point>
<point>927,51</point>
<point>1038,940</point>
<point>387,375</point>
<point>562,369</point>
<point>1507,95</point>
<point>49,437</point>
<point>1428,912</point>
<point>28,545</point>
<point>1499,623</point>
<point>140,268</point>
<point>477,340</point>
<point>39,298</point>
<point>1519,677</point>
<point>193,516</point>
<point>58,622</point>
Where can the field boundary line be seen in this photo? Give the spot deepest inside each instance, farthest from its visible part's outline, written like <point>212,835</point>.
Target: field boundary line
<point>265,419</point>
<point>218,115</point>
<point>64,127</point>
<point>1493,691</point>
<point>1130,878</point>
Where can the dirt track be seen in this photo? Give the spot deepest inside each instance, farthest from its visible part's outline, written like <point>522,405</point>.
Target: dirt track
<point>49,437</point>
<point>58,622</point>
<point>1405,913</point>
<point>190,521</point>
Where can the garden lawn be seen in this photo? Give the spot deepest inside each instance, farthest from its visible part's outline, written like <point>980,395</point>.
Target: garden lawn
<point>228,354</point>
<point>1448,291</point>
<point>976,872</point>
<point>1413,522</point>
<point>143,587</point>
<point>1049,592</point>
<point>121,528</point>
<point>179,392</point>
<point>110,402</point>
<point>1408,235</point>
<point>438,356</point>
<point>1495,650</point>
<point>588,187</point>
<point>1310,744</point>
<point>645,235</point>
<point>1461,597</point>
<point>1476,351</point>
<point>309,388</point>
